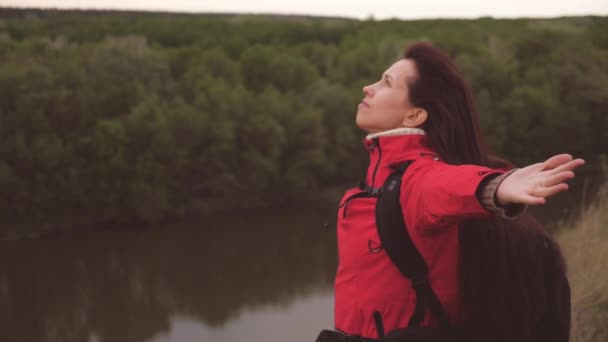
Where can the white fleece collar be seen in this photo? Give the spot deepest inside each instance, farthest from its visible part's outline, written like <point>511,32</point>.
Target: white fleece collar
<point>397,131</point>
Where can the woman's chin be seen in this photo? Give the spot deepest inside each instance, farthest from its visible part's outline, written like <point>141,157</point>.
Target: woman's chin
<point>361,124</point>
<point>362,120</point>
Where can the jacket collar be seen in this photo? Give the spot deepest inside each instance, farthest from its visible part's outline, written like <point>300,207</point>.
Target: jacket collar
<point>399,144</point>
<point>392,147</point>
<point>397,131</point>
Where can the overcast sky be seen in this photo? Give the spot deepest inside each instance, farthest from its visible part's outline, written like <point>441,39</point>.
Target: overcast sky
<point>380,9</point>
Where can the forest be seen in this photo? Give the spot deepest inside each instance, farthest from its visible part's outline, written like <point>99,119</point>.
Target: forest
<point>126,117</point>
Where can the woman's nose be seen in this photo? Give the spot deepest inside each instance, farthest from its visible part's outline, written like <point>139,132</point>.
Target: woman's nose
<point>368,90</point>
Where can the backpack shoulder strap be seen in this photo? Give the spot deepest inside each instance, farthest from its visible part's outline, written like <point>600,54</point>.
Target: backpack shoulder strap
<point>399,246</point>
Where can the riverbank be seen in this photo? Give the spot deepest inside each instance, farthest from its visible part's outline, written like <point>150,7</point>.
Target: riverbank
<point>585,247</point>
<point>563,208</point>
<point>99,220</point>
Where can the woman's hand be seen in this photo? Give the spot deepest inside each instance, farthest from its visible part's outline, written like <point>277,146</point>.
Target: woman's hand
<point>534,183</point>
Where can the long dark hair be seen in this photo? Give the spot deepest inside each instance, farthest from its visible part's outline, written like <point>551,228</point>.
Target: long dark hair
<point>506,267</point>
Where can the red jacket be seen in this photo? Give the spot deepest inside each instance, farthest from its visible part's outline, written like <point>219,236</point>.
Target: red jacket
<point>435,197</point>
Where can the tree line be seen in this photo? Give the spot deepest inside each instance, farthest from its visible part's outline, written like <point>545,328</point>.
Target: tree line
<point>144,117</point>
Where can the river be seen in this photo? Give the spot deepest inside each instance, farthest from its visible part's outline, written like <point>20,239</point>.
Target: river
<point>262,275</point>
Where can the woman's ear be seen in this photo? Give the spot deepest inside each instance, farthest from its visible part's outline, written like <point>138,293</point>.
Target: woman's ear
<point>415,118</point>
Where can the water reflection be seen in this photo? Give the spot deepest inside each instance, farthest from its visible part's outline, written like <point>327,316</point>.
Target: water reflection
<point>138,285</point>
<point>299,322</point>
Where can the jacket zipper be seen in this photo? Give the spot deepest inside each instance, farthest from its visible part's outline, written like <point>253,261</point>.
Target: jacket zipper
<point>376,144</point>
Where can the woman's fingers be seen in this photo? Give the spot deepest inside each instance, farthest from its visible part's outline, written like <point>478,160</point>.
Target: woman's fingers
<point>531,200</point>
<point>557,178</point>
<point>568,166</point>
<point>556,161</point>
<point>552,190</point>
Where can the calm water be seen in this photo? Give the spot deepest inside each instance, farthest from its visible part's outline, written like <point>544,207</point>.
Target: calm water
<point>264,276</point>
<point>259,276</point>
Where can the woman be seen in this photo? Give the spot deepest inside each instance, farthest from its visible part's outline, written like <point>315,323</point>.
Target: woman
<point>455,197</point>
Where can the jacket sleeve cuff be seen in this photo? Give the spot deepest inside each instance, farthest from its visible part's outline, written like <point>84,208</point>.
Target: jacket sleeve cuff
<point>486,193</point>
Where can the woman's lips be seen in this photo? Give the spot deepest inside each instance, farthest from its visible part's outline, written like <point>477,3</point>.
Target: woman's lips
<point>363,104</point>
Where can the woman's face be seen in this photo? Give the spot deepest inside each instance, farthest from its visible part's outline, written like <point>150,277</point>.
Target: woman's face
<point>386,102</point>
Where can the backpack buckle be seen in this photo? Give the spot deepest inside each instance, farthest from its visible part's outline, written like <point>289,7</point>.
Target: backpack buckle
<point>375,192</point>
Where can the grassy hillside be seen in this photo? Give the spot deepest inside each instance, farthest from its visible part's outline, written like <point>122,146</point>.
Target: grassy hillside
<point>585,246</point>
